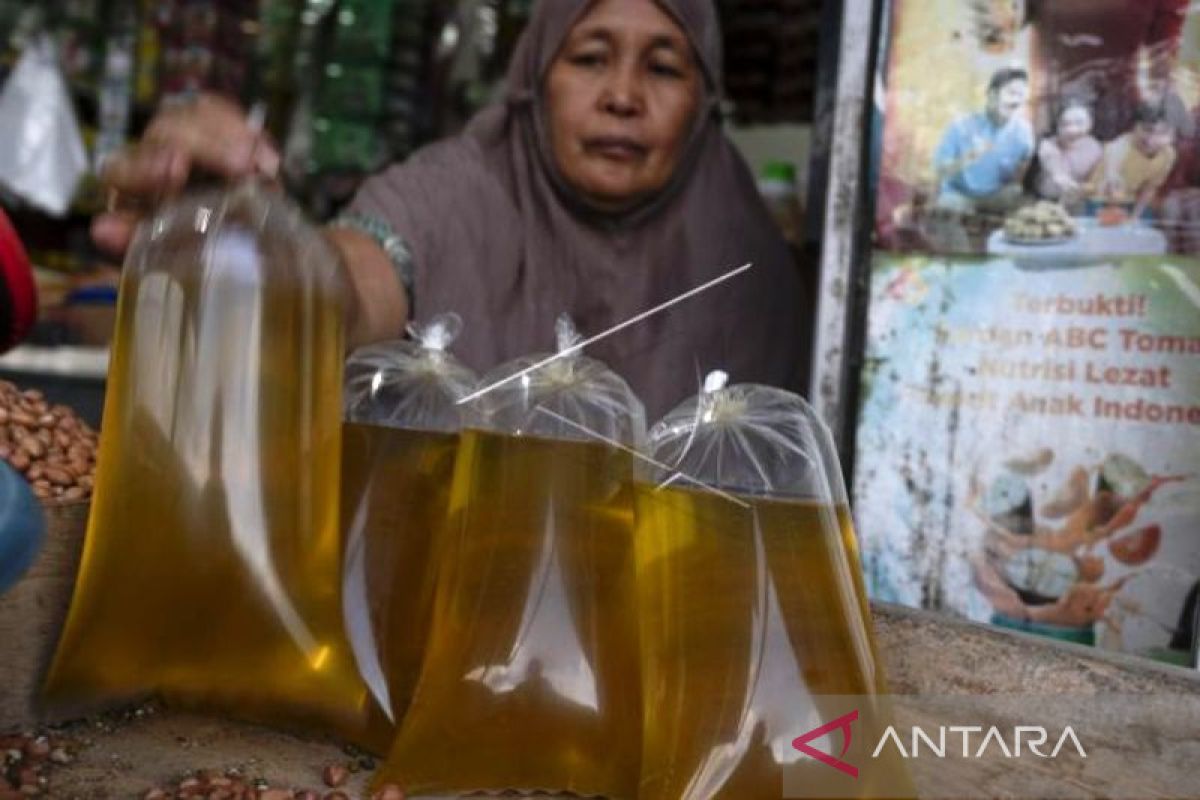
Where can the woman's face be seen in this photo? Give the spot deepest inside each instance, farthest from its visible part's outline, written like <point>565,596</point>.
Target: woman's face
<point>621,95</point>
<point>1075,123</point>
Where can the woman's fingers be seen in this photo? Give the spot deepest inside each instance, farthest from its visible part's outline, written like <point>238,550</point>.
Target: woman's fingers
<point>145,173</point>
<point>216,137</point>
<point>209,134</point>
<point>113,231</point>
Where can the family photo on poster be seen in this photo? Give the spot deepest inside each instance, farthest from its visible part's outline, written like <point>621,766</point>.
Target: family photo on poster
<point>1014,126</point>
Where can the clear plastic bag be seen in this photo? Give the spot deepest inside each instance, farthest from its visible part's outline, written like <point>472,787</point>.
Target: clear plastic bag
<point>530,678</point>
<point>211,571</point>
<point>398,447</point>
<point>752,604</point>
<point>43,158</point>
<point>410,383</point>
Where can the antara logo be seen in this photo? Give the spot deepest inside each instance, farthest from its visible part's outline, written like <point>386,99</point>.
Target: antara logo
<point>1034,737</point>
<point>842,722</point>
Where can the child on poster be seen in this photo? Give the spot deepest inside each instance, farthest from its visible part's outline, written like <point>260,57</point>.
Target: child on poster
<point>1138,163</point>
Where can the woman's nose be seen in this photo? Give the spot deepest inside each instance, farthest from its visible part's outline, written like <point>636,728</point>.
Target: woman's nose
<point>623,95</point>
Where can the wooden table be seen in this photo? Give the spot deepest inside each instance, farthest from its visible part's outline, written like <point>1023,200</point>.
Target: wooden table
<point>925,654</point>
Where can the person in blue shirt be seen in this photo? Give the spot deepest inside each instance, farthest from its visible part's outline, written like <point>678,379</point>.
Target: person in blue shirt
<point>982,158</point>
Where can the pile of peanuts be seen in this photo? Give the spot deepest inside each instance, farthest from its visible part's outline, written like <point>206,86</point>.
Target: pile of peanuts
<point>233,786</point>
<point>48,444</point>
<point>26,760</point>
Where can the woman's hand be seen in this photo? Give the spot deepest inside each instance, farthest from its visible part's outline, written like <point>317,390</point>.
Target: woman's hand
<point>1066,183</point>
<point>209,135</point>
<point>1112,188</point>
<point>213,136</point>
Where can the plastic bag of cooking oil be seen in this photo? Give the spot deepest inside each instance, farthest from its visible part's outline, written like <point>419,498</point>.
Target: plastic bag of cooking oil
<point>211,572</point>
<point>398,445</point>
<point>530,678</point>
<point>755,629</point>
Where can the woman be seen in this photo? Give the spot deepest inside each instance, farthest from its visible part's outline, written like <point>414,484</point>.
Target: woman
<point>601,186</point>
<point>1068,159</point>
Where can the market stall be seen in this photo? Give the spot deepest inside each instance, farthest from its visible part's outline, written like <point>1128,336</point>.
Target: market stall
<point>492,471</point>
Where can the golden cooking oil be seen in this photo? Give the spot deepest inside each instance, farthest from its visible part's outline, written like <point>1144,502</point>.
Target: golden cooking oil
<point>211,568</point>
<point>750,607</point>
<point>530,678</point>
<point>395,494</point>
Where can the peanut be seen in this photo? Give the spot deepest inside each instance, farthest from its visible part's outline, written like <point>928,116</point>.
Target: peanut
<point>59,477</point>
<point>23,418</point>
<point>335,775</point>
<point>48,443</point>
<point>31,445</point>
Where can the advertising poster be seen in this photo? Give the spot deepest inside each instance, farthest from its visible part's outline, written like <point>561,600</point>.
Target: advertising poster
<point>1029,446</point>
<point>1028,436</point>
<point>1019,124</point>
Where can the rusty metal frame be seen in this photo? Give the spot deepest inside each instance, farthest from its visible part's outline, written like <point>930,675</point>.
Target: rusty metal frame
<point>846,226</point>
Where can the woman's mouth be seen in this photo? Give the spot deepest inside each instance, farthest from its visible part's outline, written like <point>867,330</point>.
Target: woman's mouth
<point>615,148</point>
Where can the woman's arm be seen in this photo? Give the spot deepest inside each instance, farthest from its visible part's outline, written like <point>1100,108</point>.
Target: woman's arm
<point>212,135</point>
<point>379,303</point>
<point>1052,160</point>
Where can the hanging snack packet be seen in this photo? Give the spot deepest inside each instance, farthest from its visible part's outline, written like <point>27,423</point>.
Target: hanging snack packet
<point>211,568</point>
<point>530,678</point>
<point>398,448</point>
<point>752,605</point>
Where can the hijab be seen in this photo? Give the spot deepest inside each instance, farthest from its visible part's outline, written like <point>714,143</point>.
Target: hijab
<point>498,236</point>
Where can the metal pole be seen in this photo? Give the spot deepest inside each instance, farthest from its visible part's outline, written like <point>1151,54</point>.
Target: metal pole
<point>845,228</point>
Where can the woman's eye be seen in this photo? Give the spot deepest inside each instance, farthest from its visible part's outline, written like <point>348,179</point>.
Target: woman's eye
<point>665,70</point>
<point>587,60</point>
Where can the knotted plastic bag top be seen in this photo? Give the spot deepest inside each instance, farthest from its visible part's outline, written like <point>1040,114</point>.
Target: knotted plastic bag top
<point>744,537</point>
<point>398,451</point>
<point>746,438</point>
<point>410,383</point>
<point>533,638</point>
<point>566,395</point>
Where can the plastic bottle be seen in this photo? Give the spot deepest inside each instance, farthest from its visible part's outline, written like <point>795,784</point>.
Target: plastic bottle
<point>777,185</point>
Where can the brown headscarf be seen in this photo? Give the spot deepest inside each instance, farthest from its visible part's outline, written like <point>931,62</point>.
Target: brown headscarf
<point>499,237</point>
